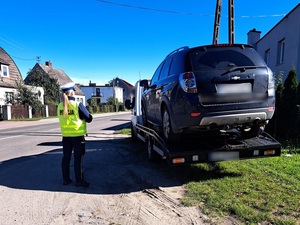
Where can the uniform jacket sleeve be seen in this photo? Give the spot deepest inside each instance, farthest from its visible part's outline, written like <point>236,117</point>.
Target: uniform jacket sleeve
<point>84,113</point>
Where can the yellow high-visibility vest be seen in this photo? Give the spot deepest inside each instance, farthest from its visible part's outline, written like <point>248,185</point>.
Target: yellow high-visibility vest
<point>71,125</point>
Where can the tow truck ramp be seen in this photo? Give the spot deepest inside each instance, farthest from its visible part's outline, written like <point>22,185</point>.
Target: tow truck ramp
<point>196,149</point>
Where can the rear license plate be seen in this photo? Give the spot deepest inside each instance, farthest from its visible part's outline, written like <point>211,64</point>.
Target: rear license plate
<point>234,88</point>
<point>222,156</point>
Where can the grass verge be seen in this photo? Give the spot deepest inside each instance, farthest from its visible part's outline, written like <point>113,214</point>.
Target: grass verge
<point>253,191</point>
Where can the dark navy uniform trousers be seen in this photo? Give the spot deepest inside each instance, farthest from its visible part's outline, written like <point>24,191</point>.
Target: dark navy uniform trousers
<point>78,145</point>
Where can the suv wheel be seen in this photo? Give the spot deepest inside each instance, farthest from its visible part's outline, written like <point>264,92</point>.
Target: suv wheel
<point>167,128</point>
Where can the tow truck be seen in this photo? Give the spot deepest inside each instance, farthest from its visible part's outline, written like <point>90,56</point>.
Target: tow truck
<point>195,148</point>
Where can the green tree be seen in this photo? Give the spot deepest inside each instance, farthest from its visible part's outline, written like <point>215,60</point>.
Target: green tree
<point>50,85</point>
<point>25,96</point>
<point>115,102</point>
<point>288,108</point>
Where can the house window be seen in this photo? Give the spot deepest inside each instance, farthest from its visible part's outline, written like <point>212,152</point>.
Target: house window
<point>267,57</point>
<point>4,71</point>
<point>9,97</point>
<point>280,55</point>
<point>98,92</point>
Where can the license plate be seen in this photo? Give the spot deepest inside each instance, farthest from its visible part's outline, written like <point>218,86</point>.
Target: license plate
<point>223,156</point>
<point>234,88</point>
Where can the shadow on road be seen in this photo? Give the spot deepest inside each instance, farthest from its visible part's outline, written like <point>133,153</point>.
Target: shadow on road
<point>111,166</point>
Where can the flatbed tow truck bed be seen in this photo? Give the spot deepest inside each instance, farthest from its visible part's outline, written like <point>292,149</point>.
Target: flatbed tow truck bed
<point>197,149</point>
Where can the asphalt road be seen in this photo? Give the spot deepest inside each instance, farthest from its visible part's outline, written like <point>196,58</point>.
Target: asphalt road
<point>126,188</point>
<point>24,138</point>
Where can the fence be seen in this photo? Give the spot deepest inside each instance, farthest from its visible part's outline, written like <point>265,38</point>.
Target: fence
<point>8,112</point>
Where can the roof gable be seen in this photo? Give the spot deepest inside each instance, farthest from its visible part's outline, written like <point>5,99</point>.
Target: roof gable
<point>60,75</point>
<point>14,72</point>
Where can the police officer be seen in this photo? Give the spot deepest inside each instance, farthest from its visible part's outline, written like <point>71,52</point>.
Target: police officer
<point>72,119</point>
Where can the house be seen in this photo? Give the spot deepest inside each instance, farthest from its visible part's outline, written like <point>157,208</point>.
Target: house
<point>127,87</point>
<point>280,47</point>
<point>117,87</point>
<point>9,76</point>
<point>60,75</point>
<point>102,92</point>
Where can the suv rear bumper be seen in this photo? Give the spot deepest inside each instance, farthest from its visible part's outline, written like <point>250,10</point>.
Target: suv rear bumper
<point>240,118</point>
<point>221,118</point>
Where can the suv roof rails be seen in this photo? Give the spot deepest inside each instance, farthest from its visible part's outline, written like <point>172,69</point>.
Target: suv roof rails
<point>243,46</point>
<point>178,50</point>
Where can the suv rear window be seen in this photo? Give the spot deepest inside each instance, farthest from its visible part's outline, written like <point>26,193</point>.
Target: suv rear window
<point>223,57</point>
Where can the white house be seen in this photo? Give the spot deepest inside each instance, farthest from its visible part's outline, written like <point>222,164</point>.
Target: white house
<point>280,47</point>
<point>9,77</point>
<point>102,92</point>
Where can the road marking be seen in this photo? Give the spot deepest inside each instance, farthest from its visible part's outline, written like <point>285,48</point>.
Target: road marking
<point>3,138</point>
<point>11,137</point>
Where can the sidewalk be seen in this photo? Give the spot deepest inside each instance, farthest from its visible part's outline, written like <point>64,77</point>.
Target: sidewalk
<point>5,124</point>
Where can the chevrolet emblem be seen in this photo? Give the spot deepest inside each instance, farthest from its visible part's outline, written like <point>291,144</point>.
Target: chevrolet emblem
<point>235,78</point>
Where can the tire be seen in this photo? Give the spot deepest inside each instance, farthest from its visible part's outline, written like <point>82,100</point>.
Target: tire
<point>152,155</point>
<point>134,138</point>
<point>144,117</point>
<point>168,133</point>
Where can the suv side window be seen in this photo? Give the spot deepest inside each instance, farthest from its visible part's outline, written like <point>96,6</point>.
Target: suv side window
<point>156,74</point>
<point>165,70</point>
<point>175,67</point>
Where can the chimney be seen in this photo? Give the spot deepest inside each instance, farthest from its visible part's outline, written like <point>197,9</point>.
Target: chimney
<point>48,63</point>
<point>253,37</point>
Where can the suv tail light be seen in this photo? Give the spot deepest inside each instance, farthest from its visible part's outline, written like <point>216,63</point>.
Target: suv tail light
<point>187,82</point>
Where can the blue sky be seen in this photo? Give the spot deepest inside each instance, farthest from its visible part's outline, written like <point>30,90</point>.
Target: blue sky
<point>95,40</point>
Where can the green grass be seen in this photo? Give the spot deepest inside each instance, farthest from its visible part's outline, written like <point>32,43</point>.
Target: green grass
<point>253,191</point>
<point>125,131</point>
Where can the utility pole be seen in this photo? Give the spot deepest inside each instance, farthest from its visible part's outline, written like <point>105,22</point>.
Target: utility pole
<point>230,22</point>
<point>38,59</point>
<point>217,22</point>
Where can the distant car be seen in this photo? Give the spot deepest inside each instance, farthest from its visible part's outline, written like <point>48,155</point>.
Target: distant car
<point>213,87</point>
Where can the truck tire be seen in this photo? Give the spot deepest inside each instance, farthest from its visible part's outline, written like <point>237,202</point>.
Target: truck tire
<point>167,128</point>
<point>152,155</point>
<point>144,116</point>
<point>134,138</point>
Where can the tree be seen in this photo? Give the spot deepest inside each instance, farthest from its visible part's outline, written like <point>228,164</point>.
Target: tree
<point>115,102</point>
<point>288,108</point>
<point>50,85</point>
<point>25,96</point>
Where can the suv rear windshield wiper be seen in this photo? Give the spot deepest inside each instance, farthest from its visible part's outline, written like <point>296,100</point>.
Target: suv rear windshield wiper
<point>240,68</point>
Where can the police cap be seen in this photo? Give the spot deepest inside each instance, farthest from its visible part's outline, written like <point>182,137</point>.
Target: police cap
<point>67,87</point>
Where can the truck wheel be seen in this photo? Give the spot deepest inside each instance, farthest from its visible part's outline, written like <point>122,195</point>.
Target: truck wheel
<point>167,128</point>
<point>152,155</point>
<point>134,138</point>
<point>144,116</point>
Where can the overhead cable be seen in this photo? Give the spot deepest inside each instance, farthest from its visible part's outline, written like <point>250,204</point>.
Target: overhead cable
<point>184,13</point>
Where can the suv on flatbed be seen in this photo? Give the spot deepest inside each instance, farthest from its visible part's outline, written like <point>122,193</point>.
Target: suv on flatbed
<point>210,88</point>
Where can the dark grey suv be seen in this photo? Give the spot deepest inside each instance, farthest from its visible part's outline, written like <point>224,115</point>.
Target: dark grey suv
<point>210,88</point>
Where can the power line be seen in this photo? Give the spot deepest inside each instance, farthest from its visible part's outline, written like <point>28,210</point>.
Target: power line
<point>151,9</point>
<point>184,13</point>
<point>23,58</point>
